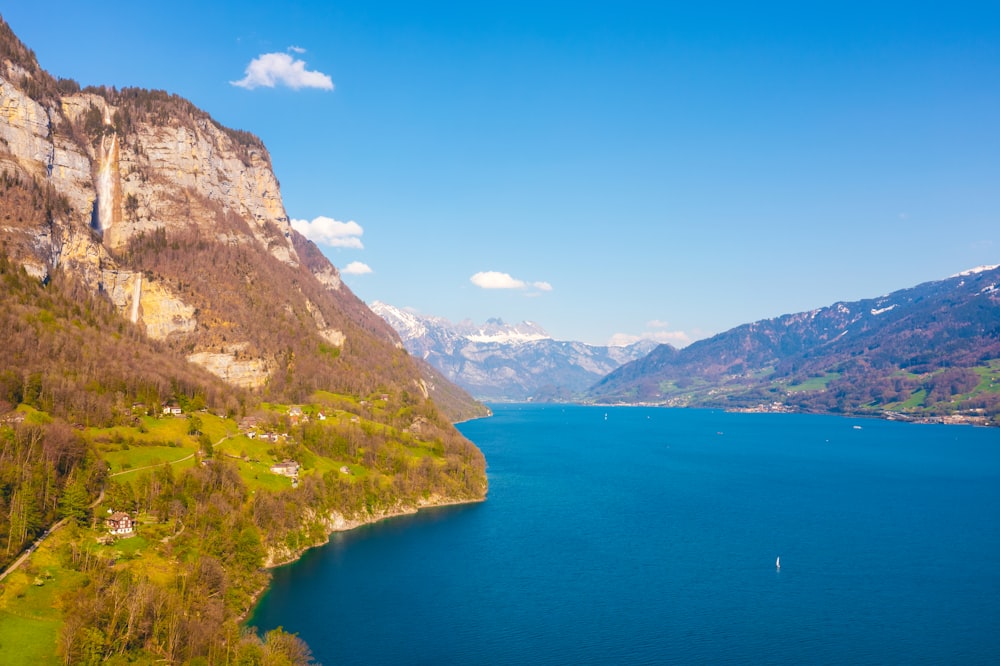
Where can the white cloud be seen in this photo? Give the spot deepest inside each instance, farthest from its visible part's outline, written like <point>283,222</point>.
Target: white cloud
<point>296,49</point>
<point>498,280</point>
<point>659,334</point>
<point>356,268</point>
<point>271,69</point>
<point>331,232</point>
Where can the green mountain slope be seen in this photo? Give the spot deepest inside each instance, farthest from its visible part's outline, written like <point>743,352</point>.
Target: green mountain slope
<point>929,351</point>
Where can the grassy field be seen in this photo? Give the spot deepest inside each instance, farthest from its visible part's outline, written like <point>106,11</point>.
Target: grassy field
<point>915,401</point>
<point>814,383</point>
<point>989,377</point>
<point>30,615</point>
<point>25,640</point>
<point>139,457</point>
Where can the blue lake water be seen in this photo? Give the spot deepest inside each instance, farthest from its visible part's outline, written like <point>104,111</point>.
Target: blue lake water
<point>649,536</point>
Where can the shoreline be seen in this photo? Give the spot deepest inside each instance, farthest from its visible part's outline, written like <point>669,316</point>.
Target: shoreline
<point>337,522</point>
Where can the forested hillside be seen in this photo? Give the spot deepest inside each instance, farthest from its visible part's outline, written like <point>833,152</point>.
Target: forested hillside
<point>932,351</point>
<point>188,393</point>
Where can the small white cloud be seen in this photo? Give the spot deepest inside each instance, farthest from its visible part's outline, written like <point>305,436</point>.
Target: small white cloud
<point>331,232</point>
<point>676,338</point>
<point>498,280</point>
<point>356,268</point>
<point>272,69</point>
<point>297,49</point>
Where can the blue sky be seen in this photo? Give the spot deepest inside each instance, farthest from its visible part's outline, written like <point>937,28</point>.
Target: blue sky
<point>609,170</point>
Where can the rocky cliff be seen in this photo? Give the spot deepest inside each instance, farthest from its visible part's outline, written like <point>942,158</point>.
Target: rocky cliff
<point>179,222</point>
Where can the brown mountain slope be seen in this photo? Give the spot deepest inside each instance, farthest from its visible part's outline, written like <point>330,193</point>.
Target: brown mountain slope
<point>144,199</point>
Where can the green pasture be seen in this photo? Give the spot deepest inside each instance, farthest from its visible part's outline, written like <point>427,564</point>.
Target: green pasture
<point>915,401</point>
<point>27,640</point>
<point>33,416</point>
<point>814,383</point>
<point>136,458</point>
<point>241,445</point>
<point>152,431</point>
<point>30,615</point>
<point>259,475</point>
<point>989,377</point>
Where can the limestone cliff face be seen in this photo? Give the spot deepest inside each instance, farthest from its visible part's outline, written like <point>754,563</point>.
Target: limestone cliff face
<point>176,172</point>
<point>121,166</point>
<point>179,222</point>
<point>246,373</point>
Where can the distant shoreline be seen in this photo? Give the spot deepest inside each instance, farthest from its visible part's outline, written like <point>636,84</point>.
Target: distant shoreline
<point>902,417</point>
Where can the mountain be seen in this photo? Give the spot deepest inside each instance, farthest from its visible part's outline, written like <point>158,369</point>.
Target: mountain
<point>502,362</point>
<point>176,354</point>
<point>931,350</point>
<point>148,202</point>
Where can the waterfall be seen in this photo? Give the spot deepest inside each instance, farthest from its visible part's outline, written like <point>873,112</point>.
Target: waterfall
<point>107,158</point>
<point>136,293</point>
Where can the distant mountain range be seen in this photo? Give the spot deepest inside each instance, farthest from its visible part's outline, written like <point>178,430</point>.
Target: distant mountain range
<point>502,362</point>
<point>929,351</point>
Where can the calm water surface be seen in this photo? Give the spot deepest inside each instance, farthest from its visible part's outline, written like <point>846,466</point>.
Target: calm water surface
<point>649,536</point>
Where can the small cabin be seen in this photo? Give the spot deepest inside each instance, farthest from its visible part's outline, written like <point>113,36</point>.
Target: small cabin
<point>120,523</point>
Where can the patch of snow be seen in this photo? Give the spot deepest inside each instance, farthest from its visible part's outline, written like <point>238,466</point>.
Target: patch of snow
<point>506,337</point>
<point>973,271</point>
<point>406,324</point>
<point>881,310</point>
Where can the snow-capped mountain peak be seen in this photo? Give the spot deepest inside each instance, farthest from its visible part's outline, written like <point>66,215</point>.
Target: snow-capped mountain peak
<point>407,324</point>
<point>500,361</point>
<point>977,269</point>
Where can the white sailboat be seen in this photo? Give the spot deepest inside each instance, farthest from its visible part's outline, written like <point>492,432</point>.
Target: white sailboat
<point>777,563</point>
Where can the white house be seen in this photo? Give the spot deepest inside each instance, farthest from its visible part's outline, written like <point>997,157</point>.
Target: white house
<point>120,523</point>
<point>286,468</point>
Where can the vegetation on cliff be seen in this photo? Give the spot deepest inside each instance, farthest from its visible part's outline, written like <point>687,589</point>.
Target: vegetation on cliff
<point>89,392</point>
<point>229,478</point>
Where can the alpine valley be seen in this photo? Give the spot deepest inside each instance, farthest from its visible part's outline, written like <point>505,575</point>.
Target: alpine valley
<point>500,362</point>
<point>190,395</point>
<point>188,392</point>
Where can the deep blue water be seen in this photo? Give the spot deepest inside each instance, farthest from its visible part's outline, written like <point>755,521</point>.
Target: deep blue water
<point>650,537</point>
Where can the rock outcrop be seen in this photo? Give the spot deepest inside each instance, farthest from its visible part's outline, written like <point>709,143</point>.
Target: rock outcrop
<point>139,197</point>
<point>123,165</point>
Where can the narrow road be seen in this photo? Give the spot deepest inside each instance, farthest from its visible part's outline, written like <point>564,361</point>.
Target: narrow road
<point>44,535</point>
<point>172,462</point>
<point>139,469</point>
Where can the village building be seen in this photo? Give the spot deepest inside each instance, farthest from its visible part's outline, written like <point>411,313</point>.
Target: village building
<point>120,523</point>
<point>286,468</point>
<point>249,423</point>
